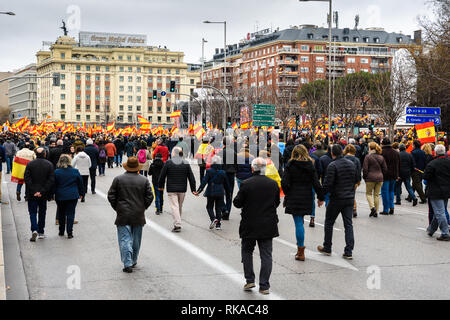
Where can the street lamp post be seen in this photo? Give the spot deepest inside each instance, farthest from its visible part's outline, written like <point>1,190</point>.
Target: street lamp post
<point>224,67</point>
<point>329,58</point>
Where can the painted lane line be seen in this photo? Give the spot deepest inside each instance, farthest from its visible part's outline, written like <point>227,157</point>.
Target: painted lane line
<point>321,225</point>
<point>209,260</point>
<point>317,256</point>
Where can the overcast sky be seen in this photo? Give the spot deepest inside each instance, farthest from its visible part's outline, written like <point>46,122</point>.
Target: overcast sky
<point>178,25</point>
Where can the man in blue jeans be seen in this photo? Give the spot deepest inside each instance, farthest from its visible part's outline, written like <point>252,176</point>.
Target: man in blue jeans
<point>130,201</point>
<point>407,165</point>
<point>437,175</point>
<point>39,183</point>
<point>10,150</point>
<point>392,159</point>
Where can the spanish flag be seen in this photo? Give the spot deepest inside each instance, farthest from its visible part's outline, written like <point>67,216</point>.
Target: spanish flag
<point>426,132</point>
<point>110,126</point>
<point>175,114</point>
<point>18,170</point>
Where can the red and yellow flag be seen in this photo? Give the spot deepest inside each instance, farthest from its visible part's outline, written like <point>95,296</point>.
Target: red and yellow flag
<point>426,132</point>
<point>175,114</point>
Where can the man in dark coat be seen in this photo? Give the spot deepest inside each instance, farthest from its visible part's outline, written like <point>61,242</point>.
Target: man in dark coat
<point>130,195</point>
<point>392,159</point>
<point>407,165</point>
<point>258,197</point>
<point>229,165</point>
<point>155,171</point>
<point>120,147</point>
<point>437,176</point>
<point>93,153</point>
<point>55,152</point>
<point>340,180</point>
<point>325,161</point>
<point>420,161</point>
<point>39,183</point>
<point>178,172</point>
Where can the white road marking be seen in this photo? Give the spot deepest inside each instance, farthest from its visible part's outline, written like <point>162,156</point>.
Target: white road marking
<point>319,224</point>
<point>317,256</point>
<point>211,261</point>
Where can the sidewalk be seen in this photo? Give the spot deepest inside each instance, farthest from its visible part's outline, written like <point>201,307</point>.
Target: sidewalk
<point>2,264</point>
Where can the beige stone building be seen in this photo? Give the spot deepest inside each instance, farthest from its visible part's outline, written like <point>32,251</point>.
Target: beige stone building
<point>111,82</point>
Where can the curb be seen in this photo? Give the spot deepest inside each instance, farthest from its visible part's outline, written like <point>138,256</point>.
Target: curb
<point>2,262</point>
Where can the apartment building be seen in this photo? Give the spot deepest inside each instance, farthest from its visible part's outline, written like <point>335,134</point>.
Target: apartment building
<point>106,77</point>
<point>22,94</point>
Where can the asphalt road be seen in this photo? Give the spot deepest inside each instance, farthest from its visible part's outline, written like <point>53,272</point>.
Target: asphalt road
<point>393,256</point>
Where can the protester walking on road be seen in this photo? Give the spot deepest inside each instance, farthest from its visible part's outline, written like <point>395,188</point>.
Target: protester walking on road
<point>102,158</point>
<point>23,157</point>
<point>420,161</point>
<point>350,154</point>
<point>83,163</point>
<point>144,157</point>
<point>406,168</point>
<point>69,187</point>
<point>258,197</point>
<point>229,165</point>
<point>93,154</point>
<point>130,195</point>
<point>217,187</point>
<point>162,149</point>
<point>374,168</point>
<point>244,166</point>
<point>155,172</point>
<point>10,150</point>
<point>111,152</point>
<point>39,183</point>
<point>392,159</point>
<point>177,172</point>
<point>437,176</point>
<point>340,180</point>
<point>300,181</point>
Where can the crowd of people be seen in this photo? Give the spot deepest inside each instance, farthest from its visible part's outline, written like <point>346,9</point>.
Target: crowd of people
<point>267,173</point>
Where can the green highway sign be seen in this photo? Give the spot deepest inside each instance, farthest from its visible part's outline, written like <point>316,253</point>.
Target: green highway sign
<point>263,115</point>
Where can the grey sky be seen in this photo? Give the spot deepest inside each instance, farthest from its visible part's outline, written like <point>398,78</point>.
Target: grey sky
<point>178,24</point>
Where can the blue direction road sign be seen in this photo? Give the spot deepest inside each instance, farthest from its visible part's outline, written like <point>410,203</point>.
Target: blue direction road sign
<point>436,120</point>
<point>423,111</point>
<point>163,93</point>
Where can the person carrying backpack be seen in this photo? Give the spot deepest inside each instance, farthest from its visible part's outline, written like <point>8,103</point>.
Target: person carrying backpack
<point>218,186</point>
<point>144,156</point>
<point>102,158</point>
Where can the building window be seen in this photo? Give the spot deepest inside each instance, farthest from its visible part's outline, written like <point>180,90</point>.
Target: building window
<point>304,48</point>
<point>304,80</point>
<point>350,70</point>
<point>192,81</point>
<point>97,78</point>
<point>63,55</point>
<point>364,60</point>
<point>121,107</point>
<point>78,67</point>
<point>78,97</point>
<point>366,39</point>
<point>304,58</point>
<point>63,67</point>
<point>130,79</point>
<point>121,78</point>
<point>159,119</point>
<point>120,98</point>
<point>376,40</point>
<point>158,109</point>
<point>150,70</point>
<point>130,69</point>
<point>88,77</point>
<point>88,97</point>
<point>130,118</point>
<point>149,118</point>
<point>97,118</point>
<point>88,116</point>
<point>346,38</point>
<point>88,68</point>
<point>364,70</point>
<point>129,58</point>
<point>63,106</point>
<point>159,71</point>
<point>63,76</point>
<point>63,96</point>
<point>97,98</point>
<point>120,58</point>
<point>304,69</point>
<point>106,78</point>
<point>78,87</point>
<point>167,109</point>
<point>63,86</point>
<point>168,119</point>
<point>130,88</point>
<point>106,88</point>
<point>121,69</point>
<point>355,39</point>
<point>351,60</point>
<point>97,68</point>
<point>63,117</point>
<point>138,79</point>
<point>106,69</point>
<point>130,108</point>
<point>320,59</point>
<point>138,98</point>
<point>97,107</point>
<point>97,88</point>
<point>150,109</point>
<point>88,107</point>
<point>319,70</point>
<point>138,108</point>
<point>138,89</point>
<point>130,98</point>
<point>78,117</point>
<point>138,69</point>
<point>177,71</point>
<point>168,71</point>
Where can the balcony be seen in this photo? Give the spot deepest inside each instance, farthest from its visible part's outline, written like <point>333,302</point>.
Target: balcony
<point>335,63</point>
<point>288,84</point>
<point>288,50</point>
<point>288,62</point>
<point>289,73</point>
<point>380,65</point>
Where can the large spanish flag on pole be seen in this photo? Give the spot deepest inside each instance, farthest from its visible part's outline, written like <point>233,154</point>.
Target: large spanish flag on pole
<point>175,114</point>
<point>18,170</point>
<point>426,132</point>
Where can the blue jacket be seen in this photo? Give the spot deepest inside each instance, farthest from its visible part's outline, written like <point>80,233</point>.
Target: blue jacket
<point>244,167</point>
<point>68,184</point>
<point>420,159</point>
<point>217,182</point>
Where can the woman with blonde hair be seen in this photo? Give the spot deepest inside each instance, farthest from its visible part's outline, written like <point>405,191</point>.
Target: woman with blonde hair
<point>299,180</point>
<point>429,156</point>
<point>374,168</point>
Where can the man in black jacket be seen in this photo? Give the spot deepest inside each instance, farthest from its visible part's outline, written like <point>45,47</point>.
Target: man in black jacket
<point>55,152</point>
<point>130,195</point>
<point>155,171</point>
<point>178,172</point>
<point>229,159</point>
<point>39,183</point>
<point>259,197</point>
<point>393,166</point>
<point>93,153</point>
<point>340,180</point>
<point>437,176</point>
<point>407,165</point>
<point>120,147</point>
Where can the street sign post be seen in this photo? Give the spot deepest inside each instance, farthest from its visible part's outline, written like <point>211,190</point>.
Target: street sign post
<point>423,111</point>
<point>417,119</point>
<point>263,115</point>
<point>163,93</point>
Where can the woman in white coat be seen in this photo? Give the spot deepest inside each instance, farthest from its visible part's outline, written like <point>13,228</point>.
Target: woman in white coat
<point>82,162</point>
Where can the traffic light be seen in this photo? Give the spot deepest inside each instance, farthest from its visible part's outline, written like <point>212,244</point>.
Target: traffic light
<point>172,86</point>
<point>332,125</point>
<point>372,125</point>
<point>229,121</point>
<point>204,122</point>
<point>56,79</point>
<point>155,94</point>
<point>297,119</point>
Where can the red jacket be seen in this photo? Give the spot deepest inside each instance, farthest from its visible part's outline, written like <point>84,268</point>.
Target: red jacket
<point>164,152</point>
<point>111,150</point>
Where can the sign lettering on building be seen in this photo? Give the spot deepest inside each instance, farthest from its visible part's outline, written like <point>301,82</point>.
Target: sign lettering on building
<point>112,39</point>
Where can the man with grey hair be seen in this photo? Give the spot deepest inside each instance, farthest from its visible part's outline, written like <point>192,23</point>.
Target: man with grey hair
<point>177,172</point>
<point>258,197</point>
<point>437,177</point>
